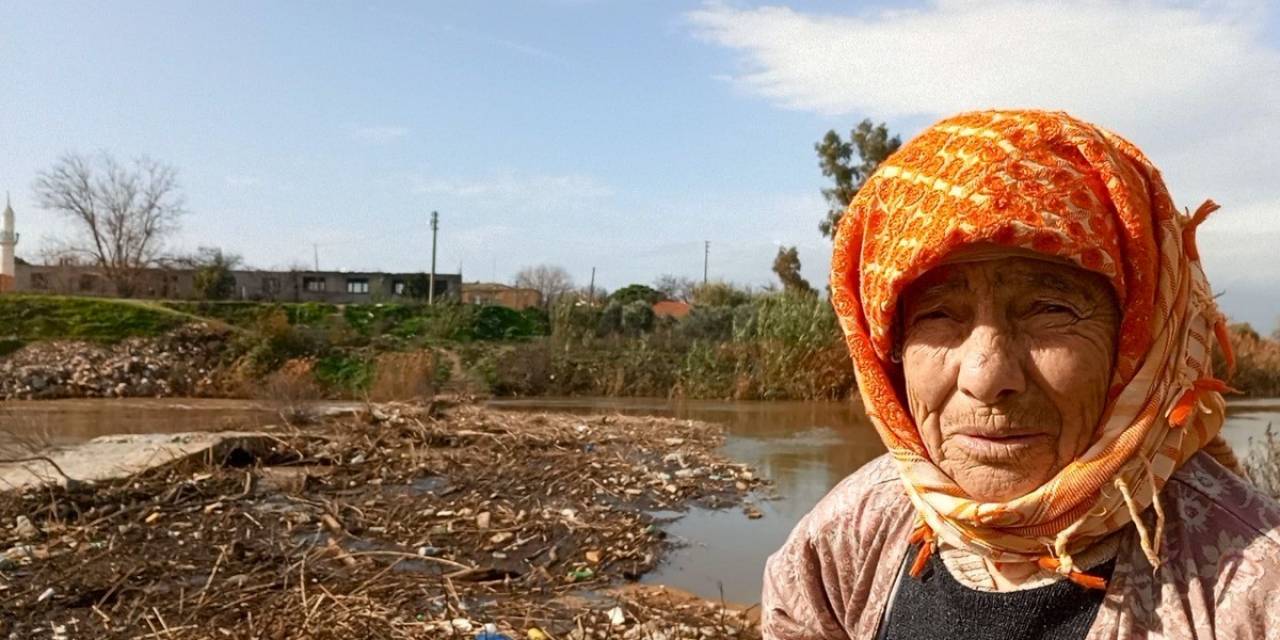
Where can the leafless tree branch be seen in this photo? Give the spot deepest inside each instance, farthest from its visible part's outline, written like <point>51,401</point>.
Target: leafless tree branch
<point>122,214</point>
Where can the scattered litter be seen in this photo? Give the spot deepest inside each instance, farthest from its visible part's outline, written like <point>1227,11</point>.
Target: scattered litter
<point>616,617</point>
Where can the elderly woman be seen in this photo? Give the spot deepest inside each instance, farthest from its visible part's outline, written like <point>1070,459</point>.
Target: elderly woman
<point>1032,334</point>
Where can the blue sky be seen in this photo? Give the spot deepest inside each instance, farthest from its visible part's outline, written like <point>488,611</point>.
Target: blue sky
<point>609,134</point>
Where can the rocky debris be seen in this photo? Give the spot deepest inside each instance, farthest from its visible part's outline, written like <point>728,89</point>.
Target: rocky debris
<point>403,522</point>
<point>24,529</point>
<point>183,362</point>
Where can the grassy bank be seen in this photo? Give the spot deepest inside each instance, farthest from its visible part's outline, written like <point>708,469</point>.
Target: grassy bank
<point>741,346</point>
<point>31,318</point>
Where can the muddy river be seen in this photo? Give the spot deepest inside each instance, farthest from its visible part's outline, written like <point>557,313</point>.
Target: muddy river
<point>805,447</point>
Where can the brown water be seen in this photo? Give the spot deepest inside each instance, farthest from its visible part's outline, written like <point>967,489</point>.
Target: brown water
<point>804,447</point>
<point>62,422</point>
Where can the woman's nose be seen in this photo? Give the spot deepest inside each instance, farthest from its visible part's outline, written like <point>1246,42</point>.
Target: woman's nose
<point>990,372</point>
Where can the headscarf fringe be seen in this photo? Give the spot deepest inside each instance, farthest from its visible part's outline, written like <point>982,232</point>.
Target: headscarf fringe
<point>1190,399</point>
<point>1064,567</point>
<point>1135,514</point>
<point>924,536</point>
<point>1189,231</point>
<point>1158,542</point>
<point>1224,343</point>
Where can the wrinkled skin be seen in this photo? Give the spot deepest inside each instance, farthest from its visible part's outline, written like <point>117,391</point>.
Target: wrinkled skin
<point>1006,364</point>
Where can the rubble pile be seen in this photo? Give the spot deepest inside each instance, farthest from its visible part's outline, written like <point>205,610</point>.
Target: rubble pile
<point>402,522</point>
<point>180,363</point>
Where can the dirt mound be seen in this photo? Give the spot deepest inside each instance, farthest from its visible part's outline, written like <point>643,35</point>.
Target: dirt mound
<point>180,363</point>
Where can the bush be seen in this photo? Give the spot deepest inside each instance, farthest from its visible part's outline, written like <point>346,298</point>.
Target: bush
<point>637,317</point>
<point>493,322</point>
<point>274,341</point>
<point>309,313</point>
<point>707,323</point>
<point>1257,362</point>
<point>720,294</point>
<point>345,373</point>
<point>636,293</point>
<point>610,319</point>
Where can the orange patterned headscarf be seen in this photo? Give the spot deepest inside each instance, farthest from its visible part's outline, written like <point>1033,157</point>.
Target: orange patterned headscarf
<point>1045,182</point>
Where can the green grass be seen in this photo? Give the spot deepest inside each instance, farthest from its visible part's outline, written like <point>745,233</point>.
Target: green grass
<point>347,373</point>
<point>31,318</point>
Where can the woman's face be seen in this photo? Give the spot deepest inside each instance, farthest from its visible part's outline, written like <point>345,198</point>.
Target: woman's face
<point>1006,363</point>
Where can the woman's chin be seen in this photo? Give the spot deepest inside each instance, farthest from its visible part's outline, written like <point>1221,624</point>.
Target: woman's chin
<point>1001,484</point>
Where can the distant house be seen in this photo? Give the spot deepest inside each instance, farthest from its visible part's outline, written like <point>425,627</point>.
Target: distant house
<point>336,287</point>
<point>671,309</point>
<point>496,293</point>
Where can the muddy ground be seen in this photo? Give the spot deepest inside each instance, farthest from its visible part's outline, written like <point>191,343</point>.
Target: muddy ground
<point>397,522</point>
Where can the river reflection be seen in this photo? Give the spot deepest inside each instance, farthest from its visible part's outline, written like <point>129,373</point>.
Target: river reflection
<point>805,448</point>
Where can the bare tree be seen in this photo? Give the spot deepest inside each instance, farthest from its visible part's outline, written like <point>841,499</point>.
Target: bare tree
<point>122,215</point>
<point>551,281</point>
<point>212,267</point>
<point>676,287</point>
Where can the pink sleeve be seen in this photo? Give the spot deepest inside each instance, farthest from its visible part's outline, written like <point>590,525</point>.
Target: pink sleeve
<point>795,604</point>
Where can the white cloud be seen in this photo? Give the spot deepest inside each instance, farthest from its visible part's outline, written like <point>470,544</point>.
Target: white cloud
<point>1194,84</point>
<point>378,134</point>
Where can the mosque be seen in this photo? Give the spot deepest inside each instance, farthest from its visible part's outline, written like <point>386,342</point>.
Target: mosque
<point>8,242</point>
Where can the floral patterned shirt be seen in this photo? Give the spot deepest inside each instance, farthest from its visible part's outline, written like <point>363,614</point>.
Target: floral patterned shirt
<point>1219,575</point>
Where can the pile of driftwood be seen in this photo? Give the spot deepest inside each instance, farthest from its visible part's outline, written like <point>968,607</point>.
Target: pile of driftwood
<point>398,522</point>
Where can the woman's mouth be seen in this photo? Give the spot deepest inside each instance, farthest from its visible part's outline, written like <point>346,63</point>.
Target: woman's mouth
<point>999,446</point>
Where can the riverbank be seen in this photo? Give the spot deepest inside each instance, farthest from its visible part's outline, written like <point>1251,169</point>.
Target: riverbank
<point>770,347</point>
<point>395,522</point>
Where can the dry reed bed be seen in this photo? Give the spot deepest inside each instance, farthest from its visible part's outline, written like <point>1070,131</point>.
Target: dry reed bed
<point>402,522</point>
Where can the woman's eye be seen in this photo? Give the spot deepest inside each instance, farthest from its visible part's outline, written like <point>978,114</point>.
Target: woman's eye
<point>936,314</point>
<point>1054,308</point>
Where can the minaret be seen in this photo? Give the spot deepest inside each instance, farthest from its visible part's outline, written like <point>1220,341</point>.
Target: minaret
<point>8,240</point>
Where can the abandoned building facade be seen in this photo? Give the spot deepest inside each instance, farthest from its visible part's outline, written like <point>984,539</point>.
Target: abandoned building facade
<point>337,287</point>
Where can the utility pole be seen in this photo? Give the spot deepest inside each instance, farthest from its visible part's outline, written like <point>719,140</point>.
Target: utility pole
<point>315,250</point>
<point>706,257</point>
<point>591,295</point>
<point>431,283</point>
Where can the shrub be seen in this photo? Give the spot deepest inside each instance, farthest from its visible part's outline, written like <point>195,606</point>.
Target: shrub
<point>707,323</point>
<point>610,321</point>
<point>1257,362</point>
<point>345,373</point>
<point>634,293</point>
<point>493,322</point>
<point>274,340</point>
<point>637,317</point>
<point>720,294</point>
